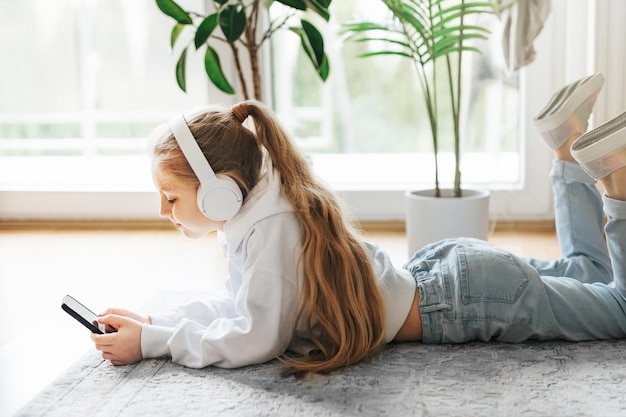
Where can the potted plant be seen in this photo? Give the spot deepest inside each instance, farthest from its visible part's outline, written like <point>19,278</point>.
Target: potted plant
<point>432,33</point>
<point>238,24</point>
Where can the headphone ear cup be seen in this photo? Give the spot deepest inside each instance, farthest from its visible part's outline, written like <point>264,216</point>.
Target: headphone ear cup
<point>219,198</point>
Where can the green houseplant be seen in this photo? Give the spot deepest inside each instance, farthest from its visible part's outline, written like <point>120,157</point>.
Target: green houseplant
<point>238,24</point>
<point>427,32</point>
<point>433,34</point>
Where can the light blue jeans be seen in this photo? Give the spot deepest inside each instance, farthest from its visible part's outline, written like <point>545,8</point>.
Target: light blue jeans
<point>470,290</point>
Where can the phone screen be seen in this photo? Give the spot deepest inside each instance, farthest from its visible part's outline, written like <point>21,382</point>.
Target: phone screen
<point>81,313</point>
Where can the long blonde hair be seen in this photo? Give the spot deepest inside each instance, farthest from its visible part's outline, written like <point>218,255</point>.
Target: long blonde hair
<point>339,301</point>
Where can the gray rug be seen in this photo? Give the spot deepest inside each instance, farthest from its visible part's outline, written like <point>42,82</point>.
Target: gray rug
<point>475,379</point>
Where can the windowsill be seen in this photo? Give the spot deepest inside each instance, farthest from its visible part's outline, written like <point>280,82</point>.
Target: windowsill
<point>75,174</point>
<point>343,172</point>
<point>121,187</point>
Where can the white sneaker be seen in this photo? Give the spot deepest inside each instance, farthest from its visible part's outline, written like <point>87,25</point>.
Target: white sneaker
<point>567,113</point>
<point>602,150</point>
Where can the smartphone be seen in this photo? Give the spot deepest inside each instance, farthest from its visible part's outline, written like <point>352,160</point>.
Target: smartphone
<point>88,318</point>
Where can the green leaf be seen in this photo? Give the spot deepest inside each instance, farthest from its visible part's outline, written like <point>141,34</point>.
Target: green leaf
<point>232,21</point>
<point>313,43</point>
<point>324,69</point>
<point>180,70</point>
<point>324,3</point>
<point>214,71</point>
<point>296,4</point>
<point>172,9</point>
<point>205,29</point>
<point>368,54</point>
<point>221,2</point>
<point>320,7</point>
<point>364,26</point>
<point>176,30</point>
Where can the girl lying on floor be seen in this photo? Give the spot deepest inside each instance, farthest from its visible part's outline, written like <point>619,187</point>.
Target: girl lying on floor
<point>301,280</point>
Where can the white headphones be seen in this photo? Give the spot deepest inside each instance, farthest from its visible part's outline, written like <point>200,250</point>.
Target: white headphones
<point>219,197</point>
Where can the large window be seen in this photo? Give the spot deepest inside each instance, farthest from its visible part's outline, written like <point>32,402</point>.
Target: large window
<point>85,81</point>
<point>371,109</point>
<point>86,77</point>
<point>82,89</point>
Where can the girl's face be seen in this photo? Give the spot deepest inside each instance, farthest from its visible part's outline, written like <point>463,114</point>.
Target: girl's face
<point>179,204</point>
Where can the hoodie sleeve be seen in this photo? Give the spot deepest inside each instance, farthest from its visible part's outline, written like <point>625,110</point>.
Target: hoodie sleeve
<point>260,326</point>
<point>204,312</point>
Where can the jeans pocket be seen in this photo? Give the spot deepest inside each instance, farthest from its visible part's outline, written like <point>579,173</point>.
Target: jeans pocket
<point>491,275</point>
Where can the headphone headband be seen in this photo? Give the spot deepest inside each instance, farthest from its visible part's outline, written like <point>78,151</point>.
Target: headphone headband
<point>190,148</point>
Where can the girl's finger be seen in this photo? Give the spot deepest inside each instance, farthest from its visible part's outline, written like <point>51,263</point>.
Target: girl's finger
<point>113,321</point>
<point>112,358</point>
<point>103,340</point>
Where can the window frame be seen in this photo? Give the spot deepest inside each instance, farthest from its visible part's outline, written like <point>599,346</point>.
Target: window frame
<point>555,65</point>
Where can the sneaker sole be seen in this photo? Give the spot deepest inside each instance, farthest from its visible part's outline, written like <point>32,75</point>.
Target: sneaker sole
<point>566,101</point>
<point>599,151</point>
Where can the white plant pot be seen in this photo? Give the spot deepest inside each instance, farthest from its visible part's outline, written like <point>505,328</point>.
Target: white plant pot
<point>429,218</point>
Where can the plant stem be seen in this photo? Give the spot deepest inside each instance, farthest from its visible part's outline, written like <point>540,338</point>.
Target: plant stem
<point>456,108</point>
<point>253,50</point>
<point>242,80</point>
<point>432,98</point>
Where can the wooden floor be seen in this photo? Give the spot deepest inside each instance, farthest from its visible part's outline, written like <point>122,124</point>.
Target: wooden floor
<point>105,268</point>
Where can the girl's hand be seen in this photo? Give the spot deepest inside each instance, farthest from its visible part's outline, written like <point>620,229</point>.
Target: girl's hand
<point>124,346</point>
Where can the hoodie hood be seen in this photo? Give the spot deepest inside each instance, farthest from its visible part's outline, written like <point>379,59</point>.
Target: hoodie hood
<point>264,200</point>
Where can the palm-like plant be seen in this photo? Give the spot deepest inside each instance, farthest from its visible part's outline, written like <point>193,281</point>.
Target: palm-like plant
<point>425,31</point>
<point>236,23</point>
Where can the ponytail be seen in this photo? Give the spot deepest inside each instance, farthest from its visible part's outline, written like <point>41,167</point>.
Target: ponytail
<point>339,305</point>
<point>339,293</point>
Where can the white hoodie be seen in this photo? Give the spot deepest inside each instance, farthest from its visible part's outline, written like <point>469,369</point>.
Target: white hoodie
<point>253,323</point>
